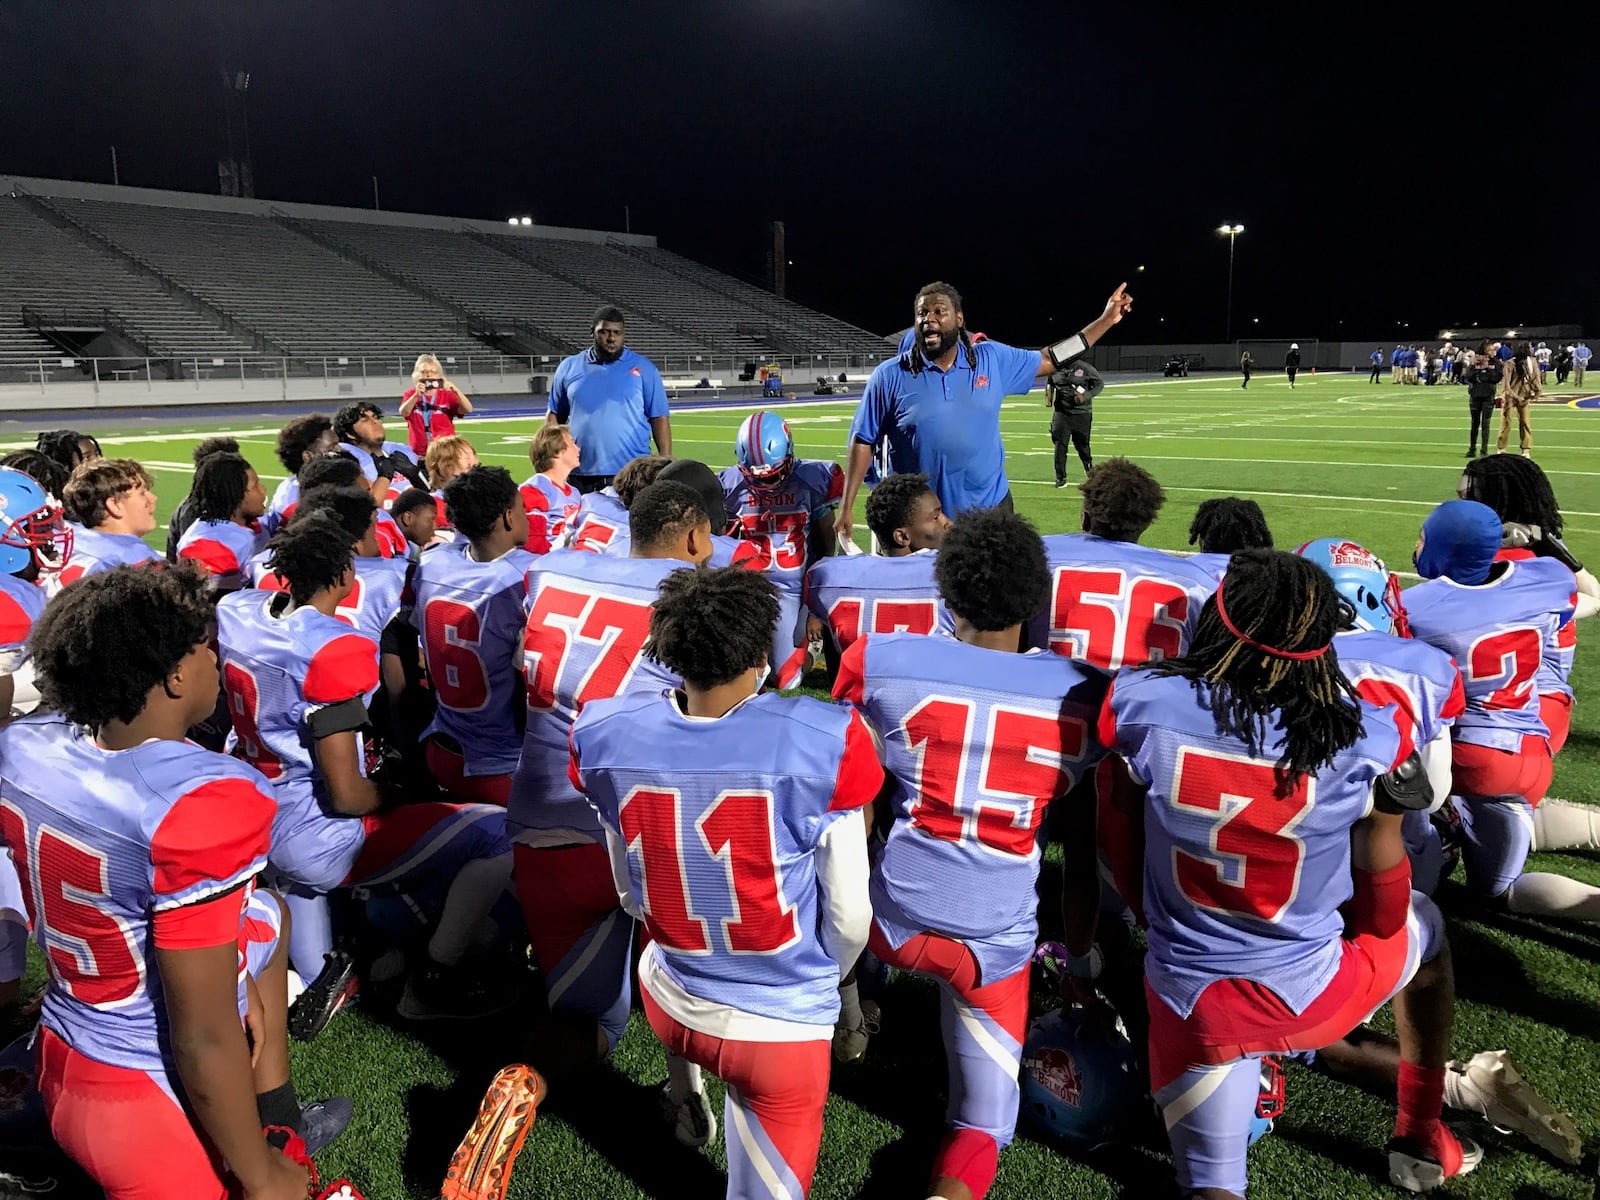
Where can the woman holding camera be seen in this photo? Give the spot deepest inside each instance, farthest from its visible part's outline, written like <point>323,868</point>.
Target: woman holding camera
<point>431,405</point>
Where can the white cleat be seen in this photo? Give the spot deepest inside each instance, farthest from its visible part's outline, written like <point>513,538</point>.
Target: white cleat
<point>1414,1169</point>
<point>692,1121</point>
<point>1490,1085</point>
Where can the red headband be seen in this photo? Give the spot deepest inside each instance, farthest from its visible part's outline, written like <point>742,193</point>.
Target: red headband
<point>1291,655</point>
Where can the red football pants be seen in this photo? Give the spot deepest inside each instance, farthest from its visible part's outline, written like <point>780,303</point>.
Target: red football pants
<point>1555,710</point>
<point>450,769</point>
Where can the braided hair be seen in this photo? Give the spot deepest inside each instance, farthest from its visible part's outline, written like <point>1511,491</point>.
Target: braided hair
<point>710,627</point>
<point>220,484</point>
<point>1289,603</point>
<point>913,360</point>
<point>1516,488</point>
<point>1224,524</point>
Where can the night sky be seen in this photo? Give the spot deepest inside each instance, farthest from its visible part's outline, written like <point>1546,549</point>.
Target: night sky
<point>1032,154</point>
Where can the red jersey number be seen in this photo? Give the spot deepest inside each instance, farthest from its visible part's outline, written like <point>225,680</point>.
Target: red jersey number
<point>1102,618</point>
<point>737,832</point>
<point>617,628</point>
<point>778,537</point>
<point>1383,692</point>
<point>451,632</point>
<point>92,954</point>
<point>1254,870</point>
<point>244,708</point>
<point>1025,765</point>
<point>1511,655</point>
<point>888,616</point>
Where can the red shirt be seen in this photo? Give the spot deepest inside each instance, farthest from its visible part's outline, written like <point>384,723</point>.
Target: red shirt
<point>425,425</point>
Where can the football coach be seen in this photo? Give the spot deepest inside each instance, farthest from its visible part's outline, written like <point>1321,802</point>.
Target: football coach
<point>939,404</point>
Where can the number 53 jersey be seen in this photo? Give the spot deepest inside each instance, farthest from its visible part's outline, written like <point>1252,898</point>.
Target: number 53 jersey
<point>1497,633</point>
<point>1239,881</point>
<point>979,743</point>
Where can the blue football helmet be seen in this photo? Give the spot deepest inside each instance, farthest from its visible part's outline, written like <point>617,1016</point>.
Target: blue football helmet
<point>1358,575</point>
<point>1081,1082</point>
<point>764,447</point>
<point>32,531</point>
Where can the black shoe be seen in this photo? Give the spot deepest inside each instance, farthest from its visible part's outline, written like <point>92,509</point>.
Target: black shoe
<point>1061,483</point>
<point>325,995</point>
<point>464,992</point>
<point>1471,453</point>
<point>323,1121</point>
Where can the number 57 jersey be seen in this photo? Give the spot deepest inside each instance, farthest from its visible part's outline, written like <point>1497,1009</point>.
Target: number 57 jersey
<point>980,743</point>
<point>1239,881</point>
<point>588,618</point>
<point>1115,604</point>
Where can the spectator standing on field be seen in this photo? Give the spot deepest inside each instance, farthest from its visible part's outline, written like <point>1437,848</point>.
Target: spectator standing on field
<point>430,406</point>
<point>614,402</point>
<point>1071,392</point>
<point>1377,365</point>
<point>1483,380</point>
<point>1563,364</point>
<point>1520,387</point>
<point>1245,363</point>
<point>1580,362</point>
<point>1291,362</point>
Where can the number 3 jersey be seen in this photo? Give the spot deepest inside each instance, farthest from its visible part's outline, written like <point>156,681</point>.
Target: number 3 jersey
<point>979,743</point>
<point>725,826</point>
<point>280,665</point>
<point>777,519</point>
<point>1114,604</point>
<point>589,616</point>
<point>1240,882</point>
<point>121,853</point>
<point>1497,633</point>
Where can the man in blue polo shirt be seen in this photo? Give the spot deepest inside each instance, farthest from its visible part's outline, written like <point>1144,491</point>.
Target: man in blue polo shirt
<point>939,403</point>
<point>613,401</point>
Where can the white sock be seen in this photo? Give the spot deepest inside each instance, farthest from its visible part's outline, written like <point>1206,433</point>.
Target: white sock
<point>683,1078</point>
<point>1566,825</point>
<point>849,1006</point>
<point>472,896</point>
<point>1541,894</point>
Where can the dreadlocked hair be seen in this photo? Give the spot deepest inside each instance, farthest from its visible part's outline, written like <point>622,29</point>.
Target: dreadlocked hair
<point>88,668</point>
<point>709,626</point>
<point>43,470</point>
<point>992,570</point>
<point>1516,488</point>
<point>297,437</point>
<point>1225,524</point>
<point>1289,603</point>
<point>310,554</point>
<point>63,445</point>
<point>889,504</point>
<point>913,359</point>
<point>219,486</point>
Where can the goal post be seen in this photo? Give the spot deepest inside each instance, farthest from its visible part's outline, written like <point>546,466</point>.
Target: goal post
<point>1266,354</point>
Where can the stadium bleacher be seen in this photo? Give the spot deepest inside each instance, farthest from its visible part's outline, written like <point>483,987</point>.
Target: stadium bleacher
<point>198,277</point>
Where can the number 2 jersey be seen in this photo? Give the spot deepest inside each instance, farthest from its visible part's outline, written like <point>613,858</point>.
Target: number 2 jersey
<point>873,593</point>
<point>979,743</point>
<point>1418,679</point>
<point>129,851</point>
<point>1497,632</point>
<point>1560,652</point>
<point>722,824</point>
<point>588,618</point>
<point>1114,604</point>
<point>470,615</point>
<point>280,665</point>
<point>777,519</point>
<point>1239,882</point>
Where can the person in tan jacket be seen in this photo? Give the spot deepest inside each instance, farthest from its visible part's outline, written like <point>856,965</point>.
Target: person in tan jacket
<point>1519,383</point>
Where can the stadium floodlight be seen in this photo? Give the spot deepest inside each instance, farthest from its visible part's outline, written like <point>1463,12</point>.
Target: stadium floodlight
<point>1231,232</point>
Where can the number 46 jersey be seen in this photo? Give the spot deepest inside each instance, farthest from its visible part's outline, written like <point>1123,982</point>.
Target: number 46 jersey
<point>1497,633</point>
<point>979,743</point>
<point>588,618</point>
<point>1240,882</point>
<point>1114,604</point>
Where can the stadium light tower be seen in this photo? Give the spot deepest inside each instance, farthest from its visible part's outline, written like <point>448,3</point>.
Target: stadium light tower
<point>1232,232</point>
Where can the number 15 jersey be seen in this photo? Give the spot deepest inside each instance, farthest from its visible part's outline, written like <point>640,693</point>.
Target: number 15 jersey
<point>979,743</point>
<point>1240,882</point>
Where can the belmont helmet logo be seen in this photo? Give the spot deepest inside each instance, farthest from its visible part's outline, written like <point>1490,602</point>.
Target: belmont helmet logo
<point>1349,554</point>
<point>1058,1074</point>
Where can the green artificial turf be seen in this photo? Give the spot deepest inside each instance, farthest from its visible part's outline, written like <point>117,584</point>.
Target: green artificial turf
<point>1334,457</point>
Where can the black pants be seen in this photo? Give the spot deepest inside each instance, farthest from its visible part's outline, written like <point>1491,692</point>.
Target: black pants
<point>590,483</point>
<point>1376,371</point>
<point>1007,504</point>
<point>1071,427</point>
<point>1293,371</point>
<point>1482,410</point>
<point>1246,382</point>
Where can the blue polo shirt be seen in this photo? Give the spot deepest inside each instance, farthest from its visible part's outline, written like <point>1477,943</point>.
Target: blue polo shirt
<point>609,407</point>
<point>1377,358</point>
<point>946,424</point>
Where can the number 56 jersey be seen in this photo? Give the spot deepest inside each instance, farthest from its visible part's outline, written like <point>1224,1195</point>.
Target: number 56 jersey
<point>588,618</point>
<point>980,743</point>
<point>1239,881</point>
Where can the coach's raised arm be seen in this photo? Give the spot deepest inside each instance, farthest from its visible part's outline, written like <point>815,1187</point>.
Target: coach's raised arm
<point>938,405</point>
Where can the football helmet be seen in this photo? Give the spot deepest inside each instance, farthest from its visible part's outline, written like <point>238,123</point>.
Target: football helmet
<point>32,530</point>
<point>1081,1082</point>
<point>1367,586</point>
<point>764,447</point>
<point>1269,1099</point>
